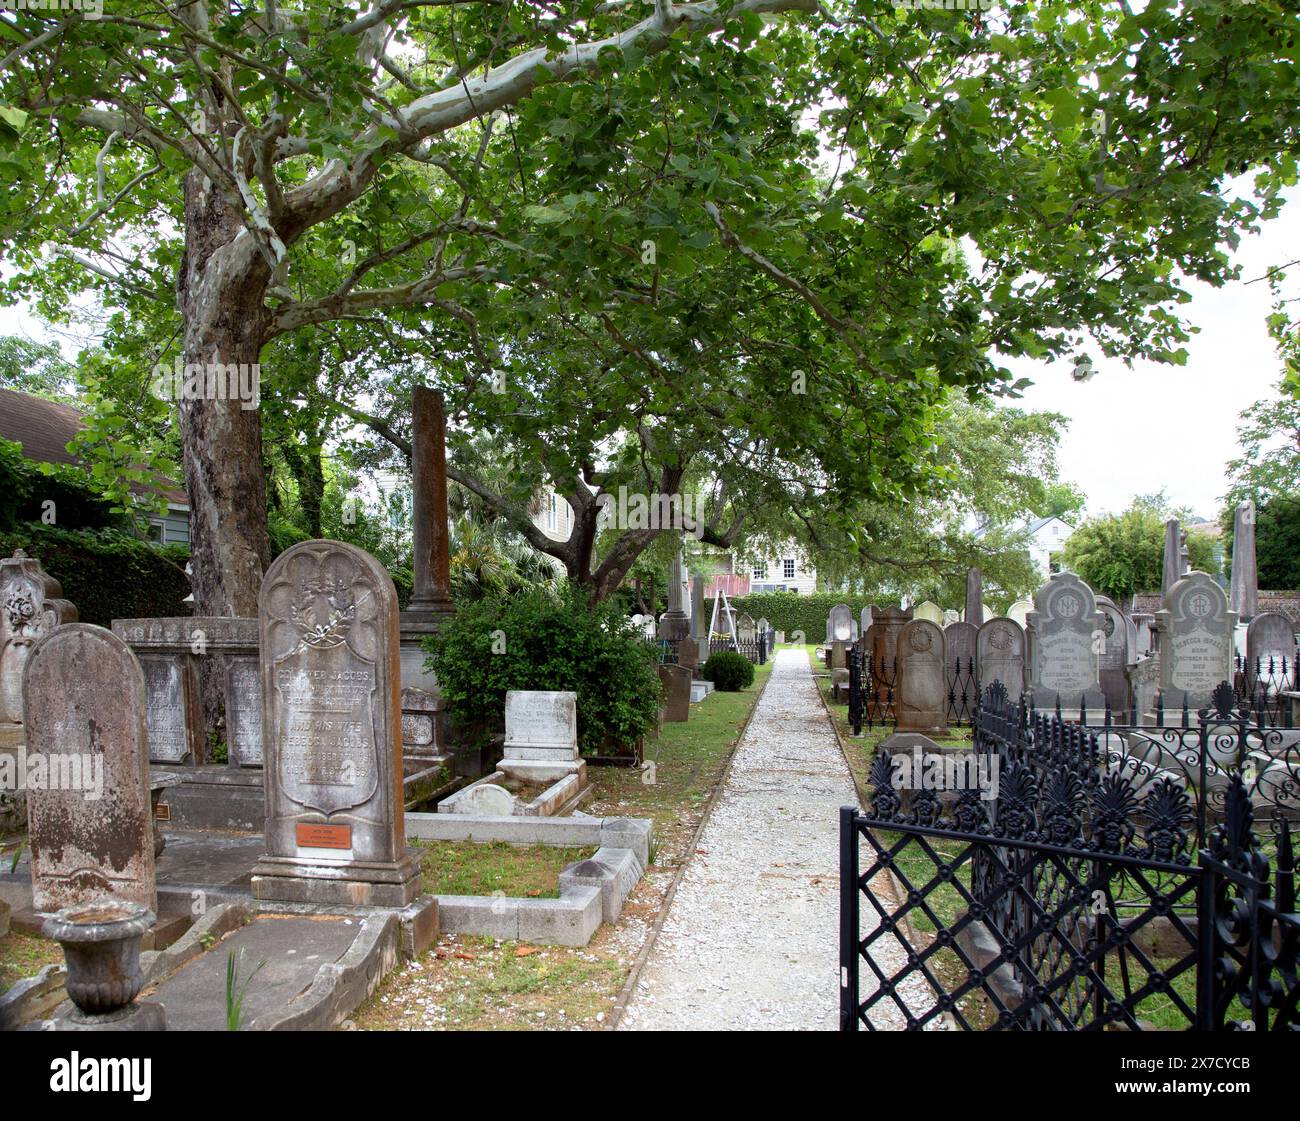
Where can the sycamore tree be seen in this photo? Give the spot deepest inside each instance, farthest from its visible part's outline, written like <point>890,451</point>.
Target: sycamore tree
<point>758,211</point>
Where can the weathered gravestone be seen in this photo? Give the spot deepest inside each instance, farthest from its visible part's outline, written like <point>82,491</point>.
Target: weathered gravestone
<point>1270,654</point>
<point>1196,644</point>
<point>89,815</point>
<point>170,651</point>
<point>422,726</point>
<point>920,686</point>
<point>30,608</point>
<point>1019,611</point>
<point>960,672</point>
<point>1062,634</point>
<point>929,611</point>
<point>1000,656</point>
<point>839,624</point>
<point>676,681</point>
<point>868,614</point>
<point>487,799</point>
<point>332,732</point>
<point>746,631</point>
<point>974,610</point>
<point>541,742</point>
<point>1116,652</point>
<point>887,624</point>
<point>950,616</point>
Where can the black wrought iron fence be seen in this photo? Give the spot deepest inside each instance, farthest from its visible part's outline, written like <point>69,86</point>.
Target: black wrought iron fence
<point>1259,683</point>
<point>1048,886</point>
<point>755,649</point>
<point>963,690</point>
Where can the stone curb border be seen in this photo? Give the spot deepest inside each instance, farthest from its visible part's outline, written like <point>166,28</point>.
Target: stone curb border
<point>592,891</point>
<point>629,986</point>
<point>215,923</point>
<point>33,998</point>
<point>340,986</point>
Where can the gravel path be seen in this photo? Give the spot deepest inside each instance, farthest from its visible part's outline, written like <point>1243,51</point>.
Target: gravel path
<point>751,939</point>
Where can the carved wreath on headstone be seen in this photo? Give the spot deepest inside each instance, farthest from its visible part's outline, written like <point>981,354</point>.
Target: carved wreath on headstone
<point>325,612</point>
<point>20,610</point>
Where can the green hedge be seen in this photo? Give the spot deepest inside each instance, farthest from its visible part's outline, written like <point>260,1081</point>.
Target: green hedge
<point>106,574</point>
<point>790,612</point>
<point>26,487</point>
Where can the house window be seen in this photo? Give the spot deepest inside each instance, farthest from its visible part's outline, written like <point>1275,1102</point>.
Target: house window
<point>157,532</point>
<point>550,511</point>
<point>787,569</point>
<point>760,572</point>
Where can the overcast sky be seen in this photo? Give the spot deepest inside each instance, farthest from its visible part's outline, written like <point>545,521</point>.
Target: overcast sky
<point>1174,427</point>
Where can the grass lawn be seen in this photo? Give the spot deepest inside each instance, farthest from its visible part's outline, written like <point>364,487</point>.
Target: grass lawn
<point>24,955</point>
<point>479,983</point>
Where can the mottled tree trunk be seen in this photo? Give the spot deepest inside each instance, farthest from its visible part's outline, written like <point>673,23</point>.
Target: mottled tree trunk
<point>220,290</point>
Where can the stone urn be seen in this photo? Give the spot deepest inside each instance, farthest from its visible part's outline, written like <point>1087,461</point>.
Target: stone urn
<point>101,946</point>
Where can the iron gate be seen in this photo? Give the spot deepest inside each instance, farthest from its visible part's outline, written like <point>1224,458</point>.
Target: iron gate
<point>1083,895</point>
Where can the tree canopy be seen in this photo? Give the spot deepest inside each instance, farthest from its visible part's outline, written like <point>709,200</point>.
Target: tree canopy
<point>756,242</point>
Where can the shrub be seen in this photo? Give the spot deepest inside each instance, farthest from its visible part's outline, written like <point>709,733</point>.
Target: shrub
<point>729,671</point>
<point>537,640</point>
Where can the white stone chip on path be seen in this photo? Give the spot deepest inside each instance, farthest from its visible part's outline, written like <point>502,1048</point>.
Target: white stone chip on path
<point>751,940</point>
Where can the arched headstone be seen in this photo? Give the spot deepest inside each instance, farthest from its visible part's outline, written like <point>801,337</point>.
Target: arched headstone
<point>920,686</point>
<point>1270,654</point>
<point>1000,655</point>
<point>90,818</point>
<point>1196,645</point>
<point>1019,611</point>
<point>929,611</point>
<point>1117,646</point>
<point>1063,634</point>
<point>839,624</point>
<point>332,732</point>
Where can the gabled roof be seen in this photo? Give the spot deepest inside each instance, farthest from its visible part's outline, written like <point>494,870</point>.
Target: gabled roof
<point>1029,527</point>
<point>45,428</point>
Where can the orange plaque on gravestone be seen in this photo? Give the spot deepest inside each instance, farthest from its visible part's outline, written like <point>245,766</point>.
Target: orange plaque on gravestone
<point>310,836</point>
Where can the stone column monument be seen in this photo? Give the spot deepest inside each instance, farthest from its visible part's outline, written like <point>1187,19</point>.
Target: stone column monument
<point>431,600</point>
<point>974,612</point>
<point>1173,557</point>
<point>1244,598</point>
<point>676,623</point>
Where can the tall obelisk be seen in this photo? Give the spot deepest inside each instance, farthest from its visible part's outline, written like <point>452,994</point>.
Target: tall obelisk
<point>431,600</point>
<point>1245,573</point>
<point>1173,569</point>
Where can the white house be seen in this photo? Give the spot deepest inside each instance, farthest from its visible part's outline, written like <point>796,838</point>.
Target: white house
<point>1043,537</point>
<point>780,570</point>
